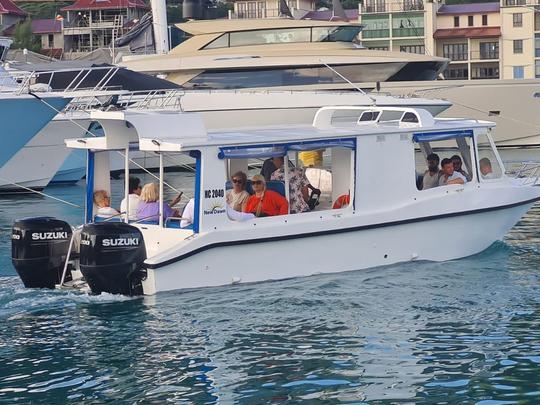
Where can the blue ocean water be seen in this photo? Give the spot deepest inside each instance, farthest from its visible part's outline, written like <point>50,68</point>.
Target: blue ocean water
<point>461,332</point>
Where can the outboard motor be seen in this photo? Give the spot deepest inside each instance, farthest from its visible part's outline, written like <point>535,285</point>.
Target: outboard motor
<point>111,258</point>
<point>39,248</point>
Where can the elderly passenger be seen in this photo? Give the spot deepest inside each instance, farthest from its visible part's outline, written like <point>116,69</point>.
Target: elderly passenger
<point>449,175</point>
<point>486,170</point>
<point>103,202</point>
<point>148,208</point>
<point>238,196</point>
<point>298,185</point>
<point>265,203</point>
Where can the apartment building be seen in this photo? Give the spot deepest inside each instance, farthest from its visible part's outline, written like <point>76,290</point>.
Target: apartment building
<point>93,24</point>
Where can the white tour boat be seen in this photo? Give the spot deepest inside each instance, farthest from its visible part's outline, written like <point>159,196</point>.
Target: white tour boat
<point>373,166</point>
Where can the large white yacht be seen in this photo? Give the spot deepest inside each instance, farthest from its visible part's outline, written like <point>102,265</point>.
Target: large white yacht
<point>280,53</point>
<point>283,54</point>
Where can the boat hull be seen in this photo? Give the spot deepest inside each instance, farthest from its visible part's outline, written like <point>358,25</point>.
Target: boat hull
<point>431,239</point>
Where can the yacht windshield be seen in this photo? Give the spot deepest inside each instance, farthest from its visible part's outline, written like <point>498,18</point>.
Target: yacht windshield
<point>286,35</point>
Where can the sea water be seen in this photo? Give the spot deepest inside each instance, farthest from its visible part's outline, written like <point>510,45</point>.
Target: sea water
<point>461,332</point>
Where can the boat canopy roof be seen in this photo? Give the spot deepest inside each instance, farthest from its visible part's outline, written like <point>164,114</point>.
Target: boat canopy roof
<point>170,131</point>
<point>245,24</point>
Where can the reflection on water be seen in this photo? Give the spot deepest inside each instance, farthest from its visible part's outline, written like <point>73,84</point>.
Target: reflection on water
<point>465,331</point>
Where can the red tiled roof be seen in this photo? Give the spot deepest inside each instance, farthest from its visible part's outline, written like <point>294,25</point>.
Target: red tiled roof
<point>105,4</point>
<point>46,26</point>
<point>473,32</point>
<point>8,7</point>
<point>469,8</point>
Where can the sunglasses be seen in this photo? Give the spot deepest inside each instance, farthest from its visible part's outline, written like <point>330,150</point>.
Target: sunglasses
<point>237,181</point>
<point>257,182</point>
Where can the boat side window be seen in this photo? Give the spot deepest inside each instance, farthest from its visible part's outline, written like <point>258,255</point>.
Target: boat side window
<point>488,162</point>
<point>320,177</point>
<point>443,162</point>
<point>220,42</point>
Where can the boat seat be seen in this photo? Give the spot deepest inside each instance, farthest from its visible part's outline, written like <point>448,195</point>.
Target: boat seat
<point>107,219</point>
<point>274,185</point>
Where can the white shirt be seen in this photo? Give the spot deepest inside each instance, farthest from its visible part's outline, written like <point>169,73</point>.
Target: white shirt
<point>237,215</point>
<point>188,214</point>
<point>490,176</point>
<point>106,212</point>
<point>455,175</point>
<point>133,204</point>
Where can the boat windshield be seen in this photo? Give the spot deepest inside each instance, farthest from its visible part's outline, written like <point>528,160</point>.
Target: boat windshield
<point>286,35</point>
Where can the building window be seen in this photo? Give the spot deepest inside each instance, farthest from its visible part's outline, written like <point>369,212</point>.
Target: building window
<point>375,6</point>
<point>456,73</point>
<point>517,19</point>
<point>485,72</point>
<point>251,9</point>
<point>420,49</point>
<point>377,48</point>
<point>537,69</point>
<point>50,42</point>
<point>456,51</point>
<point>518,46</point>
<point>484,19</point>
<point>519,72</point>
<point>471,20</point>
<point>537,45</point>
<point>515,2</point>
<point>456,21</point>
<point>489,50</point>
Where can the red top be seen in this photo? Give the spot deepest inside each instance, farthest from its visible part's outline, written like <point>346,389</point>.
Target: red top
<point>105,4</point>
<point>272,204</point>
<point>342,201</point>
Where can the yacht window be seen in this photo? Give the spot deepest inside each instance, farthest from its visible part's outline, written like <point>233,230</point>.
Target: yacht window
<point>488,163</point>
<point>220,42</point>
<point>249,78</point>
<point>286,35</point>
<point>430,153</point>
<point>321,174</point>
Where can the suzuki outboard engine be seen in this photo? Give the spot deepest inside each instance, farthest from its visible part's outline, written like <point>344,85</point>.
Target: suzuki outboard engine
<point>111,258</point>
<point>39,248</point>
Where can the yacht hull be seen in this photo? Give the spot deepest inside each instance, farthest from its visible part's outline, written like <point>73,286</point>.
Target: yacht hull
<point>367,247</point>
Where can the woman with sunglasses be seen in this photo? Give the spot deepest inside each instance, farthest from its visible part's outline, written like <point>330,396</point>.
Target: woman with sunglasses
<point>265,203</point>
<point>238,196</point>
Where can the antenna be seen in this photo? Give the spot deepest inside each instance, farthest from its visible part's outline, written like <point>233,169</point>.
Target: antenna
<point>348,81</point>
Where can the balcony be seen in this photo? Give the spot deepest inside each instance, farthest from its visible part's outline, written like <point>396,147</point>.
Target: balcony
<point>408,32</point>
<point>380,6</point>
<point>485,55</point>
<point>516,2</point>
<point>370,34</point>
<point>413,5</point>
<point>456,56</point>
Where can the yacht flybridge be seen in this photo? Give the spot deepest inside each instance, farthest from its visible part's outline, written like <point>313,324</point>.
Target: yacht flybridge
<point>280,53</point>
<point>373,164</point>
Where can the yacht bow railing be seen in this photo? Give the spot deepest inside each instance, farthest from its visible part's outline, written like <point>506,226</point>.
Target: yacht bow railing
<point>24,82</point>
<point>528,173</point>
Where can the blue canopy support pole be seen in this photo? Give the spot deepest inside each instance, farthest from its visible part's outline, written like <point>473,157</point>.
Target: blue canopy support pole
<point>197,210</point>
<point>89,207</point>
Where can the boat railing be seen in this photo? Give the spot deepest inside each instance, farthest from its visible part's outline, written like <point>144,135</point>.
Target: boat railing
<point>527,172</point>
<point>21,82</point>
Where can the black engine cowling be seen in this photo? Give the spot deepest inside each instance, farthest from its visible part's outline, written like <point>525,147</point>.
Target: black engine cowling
<point>39,248</point>
<point>111,258</point>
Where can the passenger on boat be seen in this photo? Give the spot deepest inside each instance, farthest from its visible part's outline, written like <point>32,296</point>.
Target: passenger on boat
<point>432,174</point>
<point>342,201</point>
<point>457,162</point>
<point>134,193</point>
<point>188,214</point>
<point>238,196</point>
<point>268,168</point>
<point>103,202</point>
<point>449,176</point>
<point>148,209</point>
<point>486,169</point>
<point>298,185</point>
<point>265,203</point>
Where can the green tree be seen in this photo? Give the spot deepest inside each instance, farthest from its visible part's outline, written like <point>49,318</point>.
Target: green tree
<point>23,37</point>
